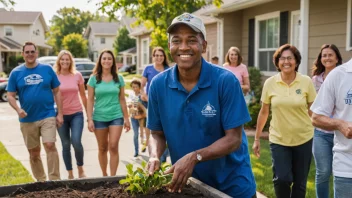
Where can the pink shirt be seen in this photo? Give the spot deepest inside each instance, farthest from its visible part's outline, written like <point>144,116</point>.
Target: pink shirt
<point>240,71</point>
<point>69,89</point>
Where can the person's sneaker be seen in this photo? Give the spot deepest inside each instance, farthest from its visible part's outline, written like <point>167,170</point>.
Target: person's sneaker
<point>144,147</point>
<point>135,156</point>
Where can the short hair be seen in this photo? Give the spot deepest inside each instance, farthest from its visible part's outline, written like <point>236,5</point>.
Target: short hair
<point>318,66</point>
<point>283,48</point>
<point>239,59</point>
<point>28,43</point>
<point>136,82</point>
<point>215,58</point>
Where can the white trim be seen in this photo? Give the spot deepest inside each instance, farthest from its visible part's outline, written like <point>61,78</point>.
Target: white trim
<point>348,31</point>
<point>293,13</point>
<point>12,30</point>
<point>148,49</point>
<point>268,73</point>
<point>303,42</point>
<point>220,38</point>
<point>257,19</point>
<point>138,45</point>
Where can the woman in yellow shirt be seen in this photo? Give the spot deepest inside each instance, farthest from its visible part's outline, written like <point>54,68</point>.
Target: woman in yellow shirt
<point>289,94</point>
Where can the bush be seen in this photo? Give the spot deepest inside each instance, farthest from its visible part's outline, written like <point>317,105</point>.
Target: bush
<point>255,78</point>
<point>14,61</point>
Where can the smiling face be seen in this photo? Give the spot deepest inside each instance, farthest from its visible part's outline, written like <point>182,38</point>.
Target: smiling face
<point>287,62</point>
<point>158,57</point>
<point>65,62</point>
<point>233,57</point>
<point>328,58</point>
<point>29,54</point>
<point>186,47</point>
<point>106,60</point>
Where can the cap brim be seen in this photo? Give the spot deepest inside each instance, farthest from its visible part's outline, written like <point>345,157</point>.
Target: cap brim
<point>169,29</point>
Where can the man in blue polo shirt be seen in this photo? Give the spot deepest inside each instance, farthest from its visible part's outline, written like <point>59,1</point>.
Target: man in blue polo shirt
<point>199,109</point>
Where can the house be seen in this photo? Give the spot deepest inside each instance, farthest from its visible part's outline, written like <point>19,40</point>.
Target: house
<point>127,57</point>
<point>100,36</point>
<point>259,27</point>
<point>142,35</point>
<point>17,27</point>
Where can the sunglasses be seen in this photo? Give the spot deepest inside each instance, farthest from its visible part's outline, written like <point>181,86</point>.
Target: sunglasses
<point>29,52</point>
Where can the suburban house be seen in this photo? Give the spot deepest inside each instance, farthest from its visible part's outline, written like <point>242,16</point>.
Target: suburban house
<point>259,27</point>
<point>127,57</point>
<point>17,27</point>
<point>100,36</point>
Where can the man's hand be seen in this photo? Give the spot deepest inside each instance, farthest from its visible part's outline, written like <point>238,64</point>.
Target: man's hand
<point>345,128</point>
<point>144,97</point>
<point>91,127</point>
<point>182,170</point>
<point>21,113</point>
<point>59,120</point>
<point>153,165</point>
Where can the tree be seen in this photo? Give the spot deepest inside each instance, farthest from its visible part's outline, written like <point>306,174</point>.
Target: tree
<point>123,41</point>
<point>67,21</point>
<point>156,15</point>
<point>76,44</point>
<point>7,2</point>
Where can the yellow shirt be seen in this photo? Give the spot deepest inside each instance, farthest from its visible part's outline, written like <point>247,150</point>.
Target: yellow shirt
<point>290,124</point>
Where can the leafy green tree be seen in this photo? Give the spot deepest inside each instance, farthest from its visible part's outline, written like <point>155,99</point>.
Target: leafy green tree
<point>67,21</point>
<point>7,2</point>
<point>123,41</point>
<point>156,15</point>
<point>76,44</point>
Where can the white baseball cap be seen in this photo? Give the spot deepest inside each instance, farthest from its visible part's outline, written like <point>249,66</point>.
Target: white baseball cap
<point>190,20</point>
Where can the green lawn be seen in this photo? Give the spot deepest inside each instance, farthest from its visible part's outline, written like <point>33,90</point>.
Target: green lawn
<point>263,173</point>
<point>12,171</point>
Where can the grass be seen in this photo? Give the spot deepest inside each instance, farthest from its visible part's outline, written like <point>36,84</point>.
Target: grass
<point>12,171</point>
<point>262,169</point>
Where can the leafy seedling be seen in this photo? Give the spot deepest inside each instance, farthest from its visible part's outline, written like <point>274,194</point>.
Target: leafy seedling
<point>140,182</point>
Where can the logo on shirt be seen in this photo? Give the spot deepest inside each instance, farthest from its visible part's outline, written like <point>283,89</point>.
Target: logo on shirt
<point>208,110</point>
<point>348,99</point>
<point>33,79</point>
<point>298,91</point>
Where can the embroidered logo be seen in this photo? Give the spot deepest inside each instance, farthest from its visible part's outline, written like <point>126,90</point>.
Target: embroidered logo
<point>185,17</point>
<point>298,91</point>
<point>208,110</point>
<point>33,79</point>
<point>348,99</point>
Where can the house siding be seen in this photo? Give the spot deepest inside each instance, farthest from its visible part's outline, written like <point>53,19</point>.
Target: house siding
<point>20,33</point>
<point>109,42</point>
<point>212,39</point>
<point>37,39</point>
<point>140,66</point>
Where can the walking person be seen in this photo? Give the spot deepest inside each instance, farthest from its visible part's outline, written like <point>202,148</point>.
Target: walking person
<point>72,85</point>
<point>290,94</point>
<point>199,110</point>
<point>37,85</point>
<point>106,93</point>
<point>234,63</point>
<point>328,59</point>
<point>160,64</point>
<point>332,111</point>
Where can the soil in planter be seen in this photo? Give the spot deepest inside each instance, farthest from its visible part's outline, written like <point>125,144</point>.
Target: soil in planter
<point>96,190</point>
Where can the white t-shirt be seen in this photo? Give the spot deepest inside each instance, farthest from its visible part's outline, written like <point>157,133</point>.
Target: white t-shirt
<point>335,98</point>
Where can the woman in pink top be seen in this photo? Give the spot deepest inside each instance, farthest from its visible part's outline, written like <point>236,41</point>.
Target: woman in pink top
<point>72,85</point>
<point>234,64</point>
<point>328,59</point>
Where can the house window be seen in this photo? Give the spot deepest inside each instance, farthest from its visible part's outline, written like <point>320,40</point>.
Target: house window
<point>145,51</point>
<point>102,40</point>
<point>8,31</point>
<point>267,41</point>
<point>349,26</point>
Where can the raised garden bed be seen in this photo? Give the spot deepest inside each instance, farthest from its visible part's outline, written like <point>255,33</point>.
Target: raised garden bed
<point>100,187</point>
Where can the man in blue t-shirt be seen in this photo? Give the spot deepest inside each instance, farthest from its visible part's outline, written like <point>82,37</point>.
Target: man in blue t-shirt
<point>199,109</point>
<point>37,85</point>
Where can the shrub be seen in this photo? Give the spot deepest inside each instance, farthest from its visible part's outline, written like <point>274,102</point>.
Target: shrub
<point>14,61</point>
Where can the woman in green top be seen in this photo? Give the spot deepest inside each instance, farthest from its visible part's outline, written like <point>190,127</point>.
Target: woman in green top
<point>107,94</point>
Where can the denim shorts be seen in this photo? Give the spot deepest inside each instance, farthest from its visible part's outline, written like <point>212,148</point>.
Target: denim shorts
<point>103,125</point>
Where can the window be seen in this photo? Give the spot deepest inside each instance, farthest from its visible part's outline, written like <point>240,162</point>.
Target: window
<point>102,40</point>
<point>145,51</point>
<point>8,31</point>
<point>295,28</point>
<point>349,26</point>
<point>267,41</point>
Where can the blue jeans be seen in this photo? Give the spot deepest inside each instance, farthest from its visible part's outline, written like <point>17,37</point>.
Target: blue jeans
<point>73,123</point>
<point>322,152</point>
<point>104,125</point>
<point>164,156</point>
<point>135,127</point>
<point>343,188</point>
<point>291,167</point>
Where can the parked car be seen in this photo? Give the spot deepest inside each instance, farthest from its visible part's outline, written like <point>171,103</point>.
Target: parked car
<point>52,60</point>
<point>3,80</point>
<point>86,69</point>
<point>128,68</point>
<point>3,92</point>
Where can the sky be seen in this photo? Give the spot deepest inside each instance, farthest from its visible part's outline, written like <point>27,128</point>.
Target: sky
<point>49,7</point>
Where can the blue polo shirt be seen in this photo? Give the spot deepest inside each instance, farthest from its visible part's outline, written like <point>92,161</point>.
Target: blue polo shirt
<point>195,120</point>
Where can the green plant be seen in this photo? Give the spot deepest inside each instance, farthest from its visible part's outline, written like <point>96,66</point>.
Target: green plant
<point>3,75</point>
<point>139,180</point>
<point>14,61</point>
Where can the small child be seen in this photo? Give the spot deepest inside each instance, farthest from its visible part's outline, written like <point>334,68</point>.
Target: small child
<point>138,113</point>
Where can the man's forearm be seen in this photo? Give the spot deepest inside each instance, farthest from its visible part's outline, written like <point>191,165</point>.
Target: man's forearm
<point>157,144</point>
<point>325,122</point>
<point>13,103</point>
